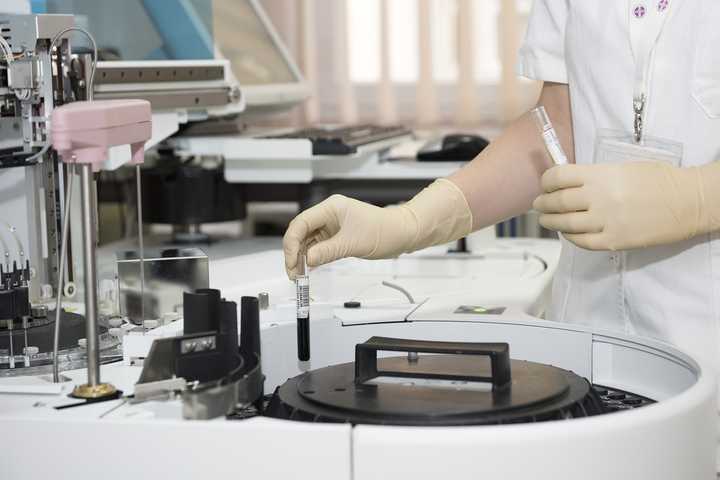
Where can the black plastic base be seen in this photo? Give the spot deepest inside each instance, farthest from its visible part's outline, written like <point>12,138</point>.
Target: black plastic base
<point>40,333</point>
<point>538,393</point>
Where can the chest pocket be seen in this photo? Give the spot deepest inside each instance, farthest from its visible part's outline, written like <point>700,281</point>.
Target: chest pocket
<point>706,71</point>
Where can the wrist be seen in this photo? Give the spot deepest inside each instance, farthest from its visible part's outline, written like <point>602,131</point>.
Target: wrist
<point>396,230</point>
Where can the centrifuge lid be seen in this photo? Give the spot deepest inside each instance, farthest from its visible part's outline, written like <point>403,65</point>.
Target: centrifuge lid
<point>461,383</point>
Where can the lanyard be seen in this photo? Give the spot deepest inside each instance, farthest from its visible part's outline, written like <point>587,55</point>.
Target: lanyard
<point>646,22</point>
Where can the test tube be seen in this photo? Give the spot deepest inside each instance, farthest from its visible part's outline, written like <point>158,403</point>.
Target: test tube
<point>552,144</point>
<point>302,292</point>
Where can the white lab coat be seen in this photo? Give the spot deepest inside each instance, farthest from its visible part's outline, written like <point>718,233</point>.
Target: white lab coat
<point>670,292</point>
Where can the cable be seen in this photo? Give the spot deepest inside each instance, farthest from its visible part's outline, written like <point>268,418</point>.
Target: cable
<point>23,94</point>
<point>6,50</point>
<point>397,287</point>
<point>61,273</point>
<point>90,84</point>
<point>39,154</point>
<point>9,58</point>
<point>91,81</point>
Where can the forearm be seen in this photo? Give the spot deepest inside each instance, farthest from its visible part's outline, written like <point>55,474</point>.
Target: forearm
<point>501,182</point>
<point>504,179</point>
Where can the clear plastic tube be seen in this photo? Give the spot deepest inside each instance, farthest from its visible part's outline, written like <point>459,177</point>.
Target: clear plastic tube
<point>549,136</point>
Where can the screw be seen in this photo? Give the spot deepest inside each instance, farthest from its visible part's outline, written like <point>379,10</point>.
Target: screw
<point>235,95</point>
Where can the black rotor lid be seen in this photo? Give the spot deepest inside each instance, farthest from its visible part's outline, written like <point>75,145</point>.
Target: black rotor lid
<point>470,383</point>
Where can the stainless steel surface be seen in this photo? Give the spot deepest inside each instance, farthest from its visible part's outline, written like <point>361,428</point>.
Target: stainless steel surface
<point>11,135</point>
<point>168,273</point>
<point>24,128</point>
<point>223,398</point>
<point>61,277</point>
<point>200,401</point>
<point>26,348</point>
<point>24,31</point>
<point>89,269</point>
<point>176,84</point>
<point>23,73</point>
<point>12,350</point>
<point>160,390</point>
<point>68,359</point>
<point>108,73</point>
<point>141,243</point>
<point>175,98</point>
<point>31,35</point>
<point>50,204</point>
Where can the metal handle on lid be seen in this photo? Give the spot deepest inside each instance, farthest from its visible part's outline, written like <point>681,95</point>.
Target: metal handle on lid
<point>366,366</point>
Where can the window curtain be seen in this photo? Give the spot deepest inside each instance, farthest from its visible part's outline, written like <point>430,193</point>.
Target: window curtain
<point>317,32</point>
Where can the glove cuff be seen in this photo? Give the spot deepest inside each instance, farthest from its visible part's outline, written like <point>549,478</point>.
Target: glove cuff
<point>442,214</point>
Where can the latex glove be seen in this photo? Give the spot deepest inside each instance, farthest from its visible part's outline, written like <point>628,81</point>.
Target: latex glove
<point>342,227</point>
<point>630,205</point>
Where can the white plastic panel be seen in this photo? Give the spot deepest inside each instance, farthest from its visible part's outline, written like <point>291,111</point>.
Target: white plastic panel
<point>164,125</point>
<point>122,450</point>
<point>503,278</point>
<point>640,369</point>
<point>258,171</point>
<point>515,264</point>
<point>652,444</point>
<point>670,440</point>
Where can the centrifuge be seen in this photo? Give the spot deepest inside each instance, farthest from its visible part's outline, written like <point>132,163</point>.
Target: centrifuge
<point>440,384</point>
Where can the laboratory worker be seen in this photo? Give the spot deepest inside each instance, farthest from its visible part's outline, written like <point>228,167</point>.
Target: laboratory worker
<point>633,90</point>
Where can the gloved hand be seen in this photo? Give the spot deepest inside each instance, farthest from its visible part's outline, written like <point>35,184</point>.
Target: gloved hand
<point>342,227</point>
<point>630,205</point>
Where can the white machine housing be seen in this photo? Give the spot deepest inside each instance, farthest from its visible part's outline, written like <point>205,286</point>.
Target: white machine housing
<point>672,439</point>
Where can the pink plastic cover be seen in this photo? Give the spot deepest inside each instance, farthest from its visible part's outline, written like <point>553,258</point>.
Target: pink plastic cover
<point>83,131</point>
<point>100,114</point>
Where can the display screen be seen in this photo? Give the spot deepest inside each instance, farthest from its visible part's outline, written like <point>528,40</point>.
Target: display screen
<point>180,30</point>
<point>244,40</point>
<point>141,29</point>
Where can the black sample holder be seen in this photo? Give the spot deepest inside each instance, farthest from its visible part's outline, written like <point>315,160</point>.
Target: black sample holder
<point>209,355</point>
<point>453,383</point>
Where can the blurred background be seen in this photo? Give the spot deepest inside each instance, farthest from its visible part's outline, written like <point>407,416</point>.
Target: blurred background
<point>424,63</point>
<point>435,68</point>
